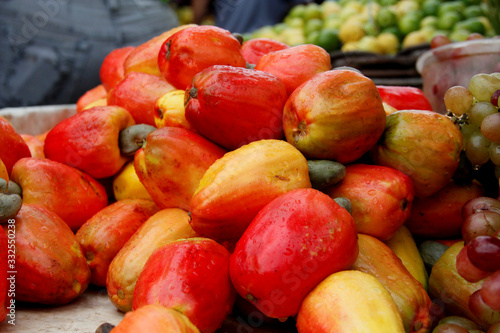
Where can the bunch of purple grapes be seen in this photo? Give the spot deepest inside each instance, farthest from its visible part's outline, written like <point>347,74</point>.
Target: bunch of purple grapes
<point>479,259</point>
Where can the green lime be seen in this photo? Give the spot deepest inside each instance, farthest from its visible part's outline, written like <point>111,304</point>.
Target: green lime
<point>312,11</point>
<point>386,18</point>
<point>296,11</point>
<point>312,37</point>
<point>459,35</point>
<point>393,30</point>
<point>408,23</point>
<point>329,39</point>
<point>332,21</point>
<point>294,22</point>
<point>471,2</point>
<point>429,21</point>
<point>312,25</point>
<point>278,28</point>
<point>448,20</point>
<point>387,2</point>
<point>431,7</point>
<point>472,24</point>
<point>451,6</point>
<point>473,11</point>
<point>371,28</point>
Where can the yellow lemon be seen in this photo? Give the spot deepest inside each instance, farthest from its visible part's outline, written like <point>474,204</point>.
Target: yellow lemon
<point>388,42</point>
<point>415,38</point>
<point>351,31</point>
<point>369,44</point>
<point>350,46</point>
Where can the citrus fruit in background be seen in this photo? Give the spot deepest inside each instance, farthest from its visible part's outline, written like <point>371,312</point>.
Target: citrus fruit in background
<point>312,38</point>
<point>451,6</point>
<point>312,25</point>
<point>409,22</point>
<point>430,7</point>
<point>473,11</point>
<point>351,31</point>
<point>312,11</point>
<point>429,21</point>
<point>472,24</point>
<point>386,18</point>
<point>333,22</point>
<point>297,11</point>
<point>369,44</point>
<point>459,35</point>
<point>415,38</point>
<point>388,43</point>
<point>447,20</point>
<point>329,7</point>
<point>328,39</point>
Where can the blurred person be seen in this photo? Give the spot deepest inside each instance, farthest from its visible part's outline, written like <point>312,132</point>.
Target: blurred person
<point>244,16</point>
<point>52,50</point>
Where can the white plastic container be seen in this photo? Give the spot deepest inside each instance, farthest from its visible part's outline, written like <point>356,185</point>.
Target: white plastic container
<point>454,64</point>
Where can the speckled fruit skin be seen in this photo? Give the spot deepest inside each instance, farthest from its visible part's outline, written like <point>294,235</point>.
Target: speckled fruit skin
<point>337,115</point>
<point>234,106</point>
<point>70,193</point>
<point>193,49</point>
<point>50,265</point>
<point>192,277</point>
<point>171,164</point>
<point>295,65</point>
<point>425,145</point>
<point>105,233</point>
<point>13,146</point>
<point>167,225</point>
<point>238,185</point>
<point>381,198</point>
<point>155,318</point>
<point>88,140</point>
<point>295,242</point>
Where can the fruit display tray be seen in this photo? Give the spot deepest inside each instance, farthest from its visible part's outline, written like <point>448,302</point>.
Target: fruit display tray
<point>391,70</point>
<point>93,307</point>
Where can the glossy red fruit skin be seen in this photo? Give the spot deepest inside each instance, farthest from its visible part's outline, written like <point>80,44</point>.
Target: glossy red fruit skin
<point>191,276</point>
<point>234,106</point>
<point>295,65</point>
<point>490,291</point>
<point>381,198</point>
<point>12,146</point>
<point>50,266</point>
<point>295,241</point>
<point>88,140</point>
<point>73,195</point>
<point>484,253</point>
<point>253,49</point>
<point>193,49</point>
<point>404,98</point>
<point>467,270</point>
<point>112,70</point>
<point>137,93</point>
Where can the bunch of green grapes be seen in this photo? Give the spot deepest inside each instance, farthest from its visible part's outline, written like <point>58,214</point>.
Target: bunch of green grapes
<point>475,110</point>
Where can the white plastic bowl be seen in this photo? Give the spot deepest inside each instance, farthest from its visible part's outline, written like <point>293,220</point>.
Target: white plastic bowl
<point>454,64</point>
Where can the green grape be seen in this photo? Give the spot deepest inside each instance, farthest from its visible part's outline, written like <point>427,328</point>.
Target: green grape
<point>490,127</point>
<point>479,111</point>
<point>494,152</point>
<point>458,100</point>
<point>477,149</point>
<point>482,86</point>
<point>467,130</point>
